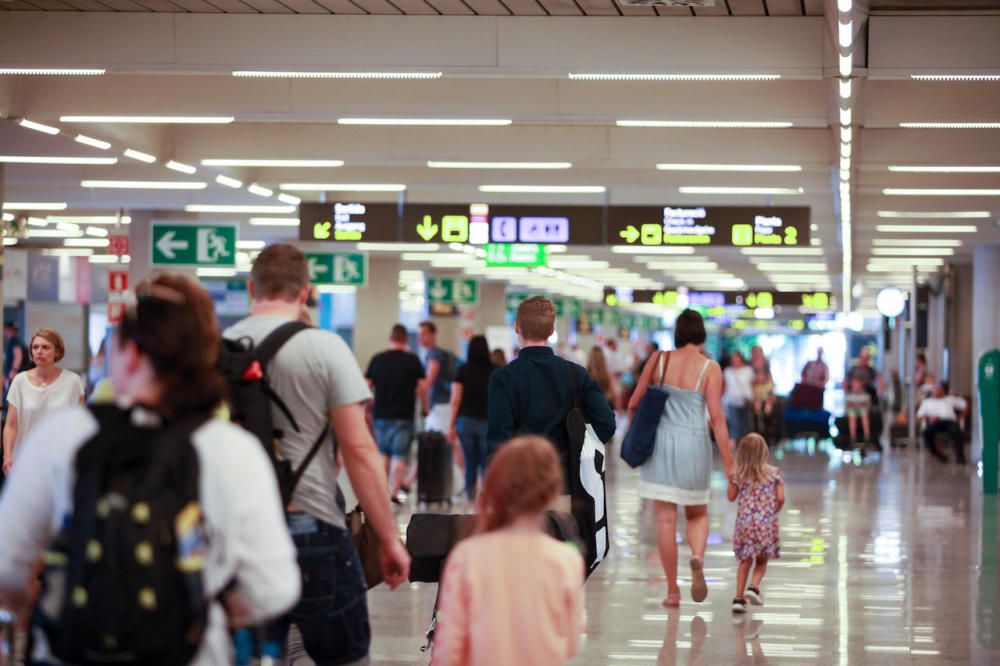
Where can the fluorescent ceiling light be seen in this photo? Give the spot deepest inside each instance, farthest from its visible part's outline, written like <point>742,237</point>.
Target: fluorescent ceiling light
<point>706,124</point>
<point>764,168</point>
<point>845,162</point>
<point>94,143</point>
<point>427,122</point>
<point>935,215</point>
<point>906,261</point>
<point>140,156</point>
<point>50,71</point>
<point>782,251</point>
<point>578,263</point>
<point>939,192</point>
<point>40,159</point>
<point>673,77</point>
<point>912,252</point>
<point>845,89</point>
<point>740,190</point>
<point>845,34</point>
<point>151,120</point>
<point>916,242</point>
<point>846,134</point>
<point>225,162</point>
<point>217,272</point>
<point>289,199</point>
<point>544,189</point>
<point>38,127</point>
<point>99,232</point>
<point>945,169</point>
<point>926,228</point>
<point>668,266</point>
<point>771,266</point>
<point>251,74</point>
<point>846,64</point>
<point>144,184</point>
<point>250,245</point>
<point>845,174</point>
<point>69,252</point>
<point>88,219</point>
<point>895,268</point>
<point>342,187</point>
<point>955,77</point>
<point>987,125</point>
<point>397,247</point>
<point>274,221</point>
<point>260,191</point>
<point>845,5</point>
<point>53,233</point>
<point>667,249</point>
<point>798,277</point>
<point>20,205</point>
<point>103,259</point>
<point>180,166</point>
<point>228,182</point>
<point>86,242</point>
<point>845,150</point>
<point>499,165</point>
<point>227,208</point>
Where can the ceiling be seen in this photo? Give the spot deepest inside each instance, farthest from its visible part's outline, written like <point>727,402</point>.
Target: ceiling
<point>177,57</point>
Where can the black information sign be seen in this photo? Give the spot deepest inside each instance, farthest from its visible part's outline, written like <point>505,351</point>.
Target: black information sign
<point>348,222</point>
<point>819,300</point>
<point>738,226</point>
<point>479,224</point>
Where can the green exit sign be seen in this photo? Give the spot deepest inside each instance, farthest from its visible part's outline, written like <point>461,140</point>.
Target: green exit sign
<point>526,255</point>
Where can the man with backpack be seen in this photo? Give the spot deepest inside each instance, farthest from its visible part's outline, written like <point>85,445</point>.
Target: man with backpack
<point>435,391</point>
<point>318,392</point>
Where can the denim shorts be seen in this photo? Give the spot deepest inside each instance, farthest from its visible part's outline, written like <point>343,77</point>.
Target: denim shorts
<point>332,614</point>
<point>394,437</point>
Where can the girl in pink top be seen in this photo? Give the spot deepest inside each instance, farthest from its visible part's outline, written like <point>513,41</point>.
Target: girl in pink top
<point>512,595</point>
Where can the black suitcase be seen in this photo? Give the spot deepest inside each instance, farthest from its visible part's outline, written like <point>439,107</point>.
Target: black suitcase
<point>429,539</point>
<point>434,475</point>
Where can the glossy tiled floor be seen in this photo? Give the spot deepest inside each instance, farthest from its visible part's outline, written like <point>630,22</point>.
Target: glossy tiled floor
<point>891,560</point>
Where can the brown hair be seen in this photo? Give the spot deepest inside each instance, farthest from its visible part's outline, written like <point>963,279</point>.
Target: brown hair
<point>52,337</point>
<point>280,271</point>
<point>689,329</point>
<point>173,323</point>
<point>536,318</point>
<point>751,460</point>
<point>523,478</point>
<point>399,335</point>
<point>597,367</point>
<point>430,326</point>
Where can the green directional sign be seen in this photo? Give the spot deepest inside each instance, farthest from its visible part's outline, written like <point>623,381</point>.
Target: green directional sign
<point>193,244</point>
<point>339,268</point>
<point>452,290</point>
<point>525,255</point>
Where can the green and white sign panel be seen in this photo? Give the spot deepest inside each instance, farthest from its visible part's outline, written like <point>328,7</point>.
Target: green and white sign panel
<point>194,245</point>
<point>565,307</point>
<point>338,268</point>
<point>452,291</point>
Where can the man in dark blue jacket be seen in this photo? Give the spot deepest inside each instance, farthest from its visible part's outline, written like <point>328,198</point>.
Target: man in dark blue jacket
<point>535,392</point>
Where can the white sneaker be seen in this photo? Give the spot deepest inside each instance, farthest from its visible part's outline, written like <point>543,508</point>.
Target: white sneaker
<point>739,605</point>
<point>754,596</point>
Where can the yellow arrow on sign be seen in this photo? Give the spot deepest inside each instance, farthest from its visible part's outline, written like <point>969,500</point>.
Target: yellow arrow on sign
<point>630,234</point>
<point>427,229</point>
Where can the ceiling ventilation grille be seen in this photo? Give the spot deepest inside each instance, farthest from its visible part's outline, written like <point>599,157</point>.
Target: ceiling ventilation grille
<point>668,3</point>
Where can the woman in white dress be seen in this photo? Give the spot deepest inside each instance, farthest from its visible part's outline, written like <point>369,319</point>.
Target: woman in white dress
<point>37,391</point>
<point>678,473</point>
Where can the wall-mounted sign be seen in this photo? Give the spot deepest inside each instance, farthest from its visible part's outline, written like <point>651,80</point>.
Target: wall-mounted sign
<point>118,244</point>
<point>452,290</point>
<point>525,255</point>
<point>565,307</point>
<point>348,222</point>
<point>479,224</point>
<point>339,268</point>
<point>673,298</point>
<point>739,226</point>
<point>193,244</point>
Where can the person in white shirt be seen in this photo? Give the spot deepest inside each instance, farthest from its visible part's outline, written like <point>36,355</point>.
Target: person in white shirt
<point>941,413</point>
<point>738,392</point>
<point>163,362</point>
<point>39,391</point>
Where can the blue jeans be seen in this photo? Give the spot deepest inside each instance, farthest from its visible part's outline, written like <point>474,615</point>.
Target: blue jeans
<point>332,614</point>
<point>394,437</point>
<point>472,434</point>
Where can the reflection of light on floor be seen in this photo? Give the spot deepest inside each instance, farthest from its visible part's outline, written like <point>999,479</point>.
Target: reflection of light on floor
<point>887,649</point>
<point>708,616</point>
<point>642,657</point>
<point>788,619</point>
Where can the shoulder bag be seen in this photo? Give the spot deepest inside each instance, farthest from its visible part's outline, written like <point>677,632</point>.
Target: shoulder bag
<point>640,439</point>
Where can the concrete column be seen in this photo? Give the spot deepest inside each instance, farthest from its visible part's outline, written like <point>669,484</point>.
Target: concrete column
<point>377,308</point>
<point>492,309</point>
<point>960,330</point>
<point>139,238</point>
<point>985,321</point>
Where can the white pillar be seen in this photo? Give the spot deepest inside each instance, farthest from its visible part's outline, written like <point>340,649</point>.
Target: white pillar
<point>377,308</point>
<point>985,321</point>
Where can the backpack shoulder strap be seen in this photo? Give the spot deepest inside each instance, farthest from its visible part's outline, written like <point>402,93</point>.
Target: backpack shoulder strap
<point>272,344</point>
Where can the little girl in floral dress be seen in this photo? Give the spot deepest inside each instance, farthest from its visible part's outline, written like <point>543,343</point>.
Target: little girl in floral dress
<point>761,494</point>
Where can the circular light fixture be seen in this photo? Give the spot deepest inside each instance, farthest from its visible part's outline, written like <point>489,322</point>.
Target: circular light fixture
<point>890,302</point>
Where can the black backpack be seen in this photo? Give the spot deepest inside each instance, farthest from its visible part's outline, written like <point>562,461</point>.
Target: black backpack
<point>123,579</point>
<point>244,366</point>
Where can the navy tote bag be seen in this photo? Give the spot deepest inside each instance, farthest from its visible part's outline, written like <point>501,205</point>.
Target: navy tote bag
<point>641,436</point>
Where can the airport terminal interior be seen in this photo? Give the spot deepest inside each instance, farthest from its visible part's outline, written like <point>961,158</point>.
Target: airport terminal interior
<point>818,179</point>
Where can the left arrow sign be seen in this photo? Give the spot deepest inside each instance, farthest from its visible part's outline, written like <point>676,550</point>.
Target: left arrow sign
<point>167,245</point>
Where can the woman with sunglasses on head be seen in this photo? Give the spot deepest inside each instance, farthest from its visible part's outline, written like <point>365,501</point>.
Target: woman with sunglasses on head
<point>230,542</point>
<point>38,391</point>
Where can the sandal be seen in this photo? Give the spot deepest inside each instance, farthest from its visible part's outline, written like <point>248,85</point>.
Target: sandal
<point>699,589</point>
<point>672,600</point>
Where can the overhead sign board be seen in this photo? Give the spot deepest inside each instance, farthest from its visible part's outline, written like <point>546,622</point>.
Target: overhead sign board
<point>478,224</point>
<point>346,222</point>
<point>452,291</point>
<point>193,244</point>
<point>524,255</point>
<point>338,268</point>
<point>673,298</point>
<point>738,226</point>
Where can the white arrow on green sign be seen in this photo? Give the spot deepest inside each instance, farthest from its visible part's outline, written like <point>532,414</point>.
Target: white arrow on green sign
<point>452,291</point>
<point>193,244</point>
<point>338,268</point>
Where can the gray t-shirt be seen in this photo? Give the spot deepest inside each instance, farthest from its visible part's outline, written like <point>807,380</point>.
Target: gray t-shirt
<point>313,373</point>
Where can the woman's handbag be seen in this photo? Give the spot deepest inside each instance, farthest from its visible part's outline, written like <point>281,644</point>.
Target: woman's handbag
<point>641,436</point>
